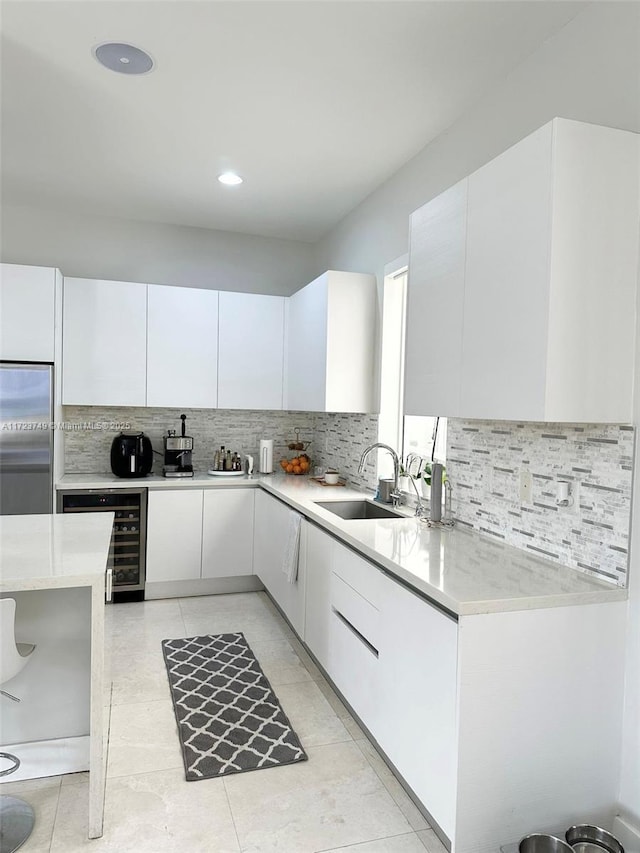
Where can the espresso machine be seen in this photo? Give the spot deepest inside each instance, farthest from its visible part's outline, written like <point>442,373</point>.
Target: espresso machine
<point>178,450</point>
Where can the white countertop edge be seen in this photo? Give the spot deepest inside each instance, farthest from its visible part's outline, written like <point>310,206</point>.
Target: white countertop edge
<point>59,582</point>
<point>340,528</point>
<point>53,551</point>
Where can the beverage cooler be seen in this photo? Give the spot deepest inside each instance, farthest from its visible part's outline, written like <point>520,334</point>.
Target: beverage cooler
<point>127,550</point>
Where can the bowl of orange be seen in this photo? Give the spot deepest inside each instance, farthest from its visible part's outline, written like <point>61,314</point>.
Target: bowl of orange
<point>298,465</point>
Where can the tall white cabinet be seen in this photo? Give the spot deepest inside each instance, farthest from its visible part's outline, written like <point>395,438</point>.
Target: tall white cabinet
<point>104,343</point>
<point>331,344</point>
<point>182,347</point>
<point>27,313</point>
<point>545,327</point>
<point>435,307</point>
<point>251,351</point>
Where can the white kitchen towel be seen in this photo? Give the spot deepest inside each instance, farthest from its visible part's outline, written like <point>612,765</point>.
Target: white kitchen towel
<point>292,549</point>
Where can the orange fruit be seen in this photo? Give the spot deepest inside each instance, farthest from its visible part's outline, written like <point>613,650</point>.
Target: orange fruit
<point>304,465</point>
<point>284,463</point>
<point>297,469</point>
<point>289,468</point>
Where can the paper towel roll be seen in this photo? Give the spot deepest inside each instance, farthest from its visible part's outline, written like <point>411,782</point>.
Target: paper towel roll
<point>266,456</point>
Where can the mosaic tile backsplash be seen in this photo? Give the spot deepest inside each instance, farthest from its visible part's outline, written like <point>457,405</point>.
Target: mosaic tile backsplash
<point>336,440</point>
<point>339,442</point>
<point>484,461</point>
<point>87,451</point>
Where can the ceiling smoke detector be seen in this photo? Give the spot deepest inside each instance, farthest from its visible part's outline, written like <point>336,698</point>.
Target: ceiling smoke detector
<point>123,58</point>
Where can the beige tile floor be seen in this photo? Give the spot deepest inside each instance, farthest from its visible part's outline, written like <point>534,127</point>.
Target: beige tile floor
<point>344,798</point>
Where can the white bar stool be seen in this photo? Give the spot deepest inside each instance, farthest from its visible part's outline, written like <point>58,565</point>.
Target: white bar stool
<point>16,816</point>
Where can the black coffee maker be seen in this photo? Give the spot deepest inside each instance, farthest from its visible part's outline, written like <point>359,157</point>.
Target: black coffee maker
<point>178,451</point>
<point>131,455</point>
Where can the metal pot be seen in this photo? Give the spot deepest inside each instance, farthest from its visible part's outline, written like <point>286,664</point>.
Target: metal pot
<point>592,839</point>
<point>537,842</point>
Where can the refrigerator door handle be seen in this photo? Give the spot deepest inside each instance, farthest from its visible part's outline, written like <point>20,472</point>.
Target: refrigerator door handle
<point>109,586</point>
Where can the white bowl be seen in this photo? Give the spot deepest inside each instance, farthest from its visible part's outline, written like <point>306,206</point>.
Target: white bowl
<point>331,478</point>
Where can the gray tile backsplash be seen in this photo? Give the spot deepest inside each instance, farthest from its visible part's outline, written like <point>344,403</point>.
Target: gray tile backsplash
<point>484,461</point>
<point>87,450</point>
<point>337,440</point>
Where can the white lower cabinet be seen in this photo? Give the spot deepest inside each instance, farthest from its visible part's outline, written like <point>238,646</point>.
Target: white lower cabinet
<point>394,657</point>
<point>272,519</point>
<point>195,534</point>
<point>317,623</point>
<point>417,672</point>
<point>354,643</point>
<point>227,528</point>
<point>174,535</point>
<point>461,707</point>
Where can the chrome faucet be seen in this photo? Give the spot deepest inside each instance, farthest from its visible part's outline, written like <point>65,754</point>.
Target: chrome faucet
<point>395,494</point>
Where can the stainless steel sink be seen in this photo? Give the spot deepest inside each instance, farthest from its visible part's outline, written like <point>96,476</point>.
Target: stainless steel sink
<point>358,509</point>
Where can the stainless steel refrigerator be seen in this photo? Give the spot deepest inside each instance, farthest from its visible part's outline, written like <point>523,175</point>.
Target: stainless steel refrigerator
<point>26,438</point>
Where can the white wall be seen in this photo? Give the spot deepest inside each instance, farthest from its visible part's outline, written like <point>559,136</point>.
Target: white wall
<point>589,71</point>
<point>126,250</point>
<point>630,781</point>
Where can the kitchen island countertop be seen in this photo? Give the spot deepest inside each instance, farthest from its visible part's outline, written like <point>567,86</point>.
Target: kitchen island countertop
<point>51,551</point>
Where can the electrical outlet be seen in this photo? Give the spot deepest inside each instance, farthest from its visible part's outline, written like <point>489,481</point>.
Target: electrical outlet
<point>526,485</point>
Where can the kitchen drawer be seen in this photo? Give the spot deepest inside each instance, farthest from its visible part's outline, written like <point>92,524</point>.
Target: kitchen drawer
<point>359,612</point>
<point>360,574</point>
<point>353,665</point>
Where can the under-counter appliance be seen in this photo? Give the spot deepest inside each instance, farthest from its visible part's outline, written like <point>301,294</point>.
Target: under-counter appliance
<point>131,455</point>
<point>26,438</point>
<point>178,452</point>
<point>127,549</point>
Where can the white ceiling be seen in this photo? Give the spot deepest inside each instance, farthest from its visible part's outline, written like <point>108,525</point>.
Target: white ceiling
<point>314,103</point>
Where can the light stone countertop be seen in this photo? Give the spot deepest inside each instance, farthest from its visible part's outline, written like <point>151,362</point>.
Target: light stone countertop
<point>460,570</point>
<point>53,551</point>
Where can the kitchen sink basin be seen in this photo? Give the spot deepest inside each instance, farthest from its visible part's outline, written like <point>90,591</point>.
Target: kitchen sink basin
<point>358,509</point>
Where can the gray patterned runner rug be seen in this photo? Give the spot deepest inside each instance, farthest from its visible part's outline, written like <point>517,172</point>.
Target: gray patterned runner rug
<point>229,719</point>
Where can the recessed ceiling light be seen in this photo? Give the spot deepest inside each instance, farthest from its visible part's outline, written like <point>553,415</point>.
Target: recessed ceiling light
<point>230,179</point>
<point>123,58</point>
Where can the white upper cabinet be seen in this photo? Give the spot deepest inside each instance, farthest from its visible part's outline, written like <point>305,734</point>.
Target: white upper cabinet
<point>506,290</point>
<point>251,351</point>
<point>182,347</point>
<point>104,343</point>
<point>550,281</point>
<point>27,313</point>
<point>435,304</point>
<point>331,344</point>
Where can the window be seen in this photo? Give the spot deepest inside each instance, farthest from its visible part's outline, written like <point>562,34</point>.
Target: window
<point>410,434</point>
